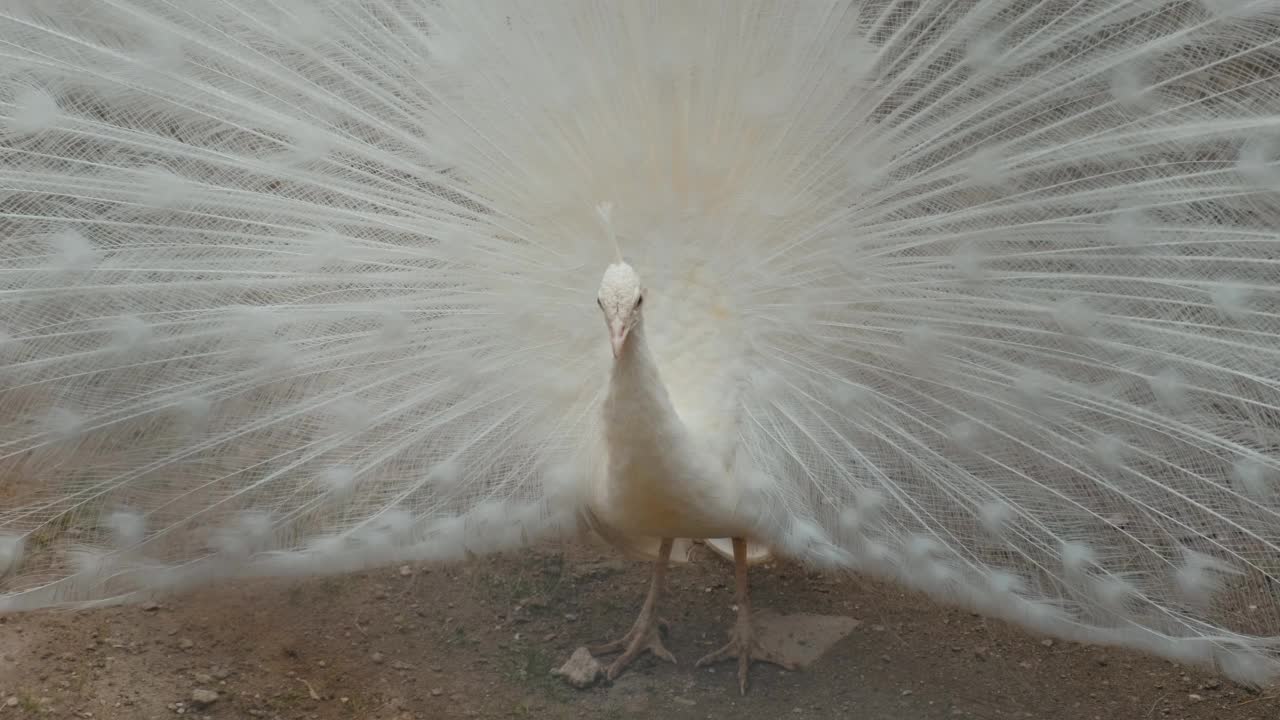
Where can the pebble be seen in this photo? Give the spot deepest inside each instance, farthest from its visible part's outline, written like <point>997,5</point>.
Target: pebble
<point>150,606</point>
<point>1195,698</point>
<point>202,697</point>
<point>186,643</point>
<point>405,571</point>
<point>581,670</point>
<point>1047,643</point>
<point>437,692</point>
<point>981,652</point>
<point>378,658</point>
<point>12,701</point>
<point>535,601</point>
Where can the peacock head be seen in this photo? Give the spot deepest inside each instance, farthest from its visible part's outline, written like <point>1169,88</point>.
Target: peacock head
<point>620,298</point>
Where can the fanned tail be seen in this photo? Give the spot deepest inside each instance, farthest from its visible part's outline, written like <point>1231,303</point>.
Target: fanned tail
<point>305,286</point>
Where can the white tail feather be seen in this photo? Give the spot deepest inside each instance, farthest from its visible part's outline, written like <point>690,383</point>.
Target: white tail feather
<point>306,287</point>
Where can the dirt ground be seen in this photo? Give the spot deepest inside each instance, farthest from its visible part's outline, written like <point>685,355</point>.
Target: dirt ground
<point>480,640</point>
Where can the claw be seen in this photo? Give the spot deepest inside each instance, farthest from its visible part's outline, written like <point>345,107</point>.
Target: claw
<point>742,639</point>
<point>644,636</point>
<point>646,633</point>
<point>744,646</point>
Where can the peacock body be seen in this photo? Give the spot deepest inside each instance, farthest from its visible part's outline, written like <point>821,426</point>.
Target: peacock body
<point>981,296</point>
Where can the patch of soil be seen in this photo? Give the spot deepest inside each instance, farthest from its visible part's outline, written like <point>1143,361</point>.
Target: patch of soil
<point>480,641</point>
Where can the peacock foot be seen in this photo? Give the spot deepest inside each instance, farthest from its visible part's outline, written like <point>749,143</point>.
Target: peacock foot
<point>645,634</point>
<point>744,646</point>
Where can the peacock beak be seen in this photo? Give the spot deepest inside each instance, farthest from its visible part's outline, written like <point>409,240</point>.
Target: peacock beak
<point>617,335</point>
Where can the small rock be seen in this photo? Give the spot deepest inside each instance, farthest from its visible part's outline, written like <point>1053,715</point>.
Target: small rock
<point>186,643</point>
<point>221,673</point>
<point>907,692</point>
<point>1025,665</point>
<point>981,652</point>
<point>581,670</point>
<point>150,606</point>
<point>401,665</point>
<point>437,692</point>
<point>202,697</point>
<point>405,571</point>
<point>1213,684</point>
<point>1195,698</point>
<point>378,658</point>
<point>12,701</point>
<point>204,678</point>
<point>1047,643</point>
<point>536,601</point>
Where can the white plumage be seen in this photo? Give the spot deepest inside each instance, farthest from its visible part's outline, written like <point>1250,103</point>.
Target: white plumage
<point>983,296</point>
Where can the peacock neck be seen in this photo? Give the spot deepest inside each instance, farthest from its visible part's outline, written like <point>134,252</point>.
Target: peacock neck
<point>637,404</point>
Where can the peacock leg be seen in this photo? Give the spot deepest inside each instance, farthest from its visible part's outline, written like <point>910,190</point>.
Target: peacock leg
<point>742,638</point>
<point>645,633</point>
